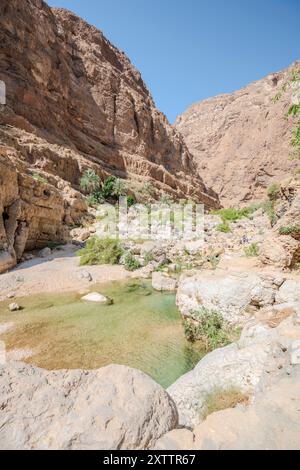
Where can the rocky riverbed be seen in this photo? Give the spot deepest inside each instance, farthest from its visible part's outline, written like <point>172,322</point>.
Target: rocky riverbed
<point>262,367</point>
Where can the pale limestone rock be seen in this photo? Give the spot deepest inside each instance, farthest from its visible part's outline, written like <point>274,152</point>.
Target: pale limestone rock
<point>107,409</point>
<point>14,307</point>
<point>289,292</point>
<point>230,366</point>
<point>295,352</point>
<point>163,282</point>
<point>178,439</point>
<point>97,298</point>
<point>230,294</point>
<point>271,423</point>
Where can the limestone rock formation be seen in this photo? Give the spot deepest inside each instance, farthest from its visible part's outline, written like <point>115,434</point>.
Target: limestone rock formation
<point>112,408</point>
<point>281,248</point>
<point>78,102</point>
<point>232,294</point>
<point>32,212</point>
<point>261,357</point>
<point>241,141</point>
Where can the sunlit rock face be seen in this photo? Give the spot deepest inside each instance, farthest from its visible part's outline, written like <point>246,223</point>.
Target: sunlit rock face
<point>69,86</point>
<point>241,142</point>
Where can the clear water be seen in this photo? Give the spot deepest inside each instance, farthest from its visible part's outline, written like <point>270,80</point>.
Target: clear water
<point>142,329</point>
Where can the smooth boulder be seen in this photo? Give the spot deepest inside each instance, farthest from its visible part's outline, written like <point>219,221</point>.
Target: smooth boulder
<point>115,407</point>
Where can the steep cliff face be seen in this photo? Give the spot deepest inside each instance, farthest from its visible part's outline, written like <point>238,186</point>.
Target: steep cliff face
<point>74,102</point>
<point>241,141</point>
<point>69,86</point>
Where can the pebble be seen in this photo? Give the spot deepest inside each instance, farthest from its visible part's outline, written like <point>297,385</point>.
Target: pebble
<point>14,307</point>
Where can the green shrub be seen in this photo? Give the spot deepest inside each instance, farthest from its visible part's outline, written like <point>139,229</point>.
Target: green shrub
<point>294,110</point>
<point>291,230</point>
<point>273,191</point>
<point>166,199</point>
<point>222,399</point>
<point>40,178</point>
<point>252,250</point>
<point>224,228</point>
<point>119,188</point>
<point>210,328</point>
<point>148,258</point>
<point>269,209</point>
<point>131,263</point>
<point>232,215</point>
<point>108,187</point>
<point>94,199</point>
<point>100,251</point>
<point>90,182</point>
<point>297,171</point>
<point>130,201</point>
<point>114,187</point>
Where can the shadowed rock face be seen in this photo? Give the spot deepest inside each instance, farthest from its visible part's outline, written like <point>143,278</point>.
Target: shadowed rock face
<point>69,86</point>
<point>241,141</point>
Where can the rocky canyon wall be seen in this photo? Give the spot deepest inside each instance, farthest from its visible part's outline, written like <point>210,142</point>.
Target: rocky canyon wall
<point>241,141</point>
<point>74,102</point>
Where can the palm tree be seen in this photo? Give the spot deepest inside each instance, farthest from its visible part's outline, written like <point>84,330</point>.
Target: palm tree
<point>90,182</point>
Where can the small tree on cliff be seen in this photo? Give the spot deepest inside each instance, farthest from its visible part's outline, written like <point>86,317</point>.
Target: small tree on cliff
<point>90,182</point>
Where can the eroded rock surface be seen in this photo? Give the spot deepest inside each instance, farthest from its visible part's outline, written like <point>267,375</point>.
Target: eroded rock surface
<point>112,408</point>
<point>242,138</point>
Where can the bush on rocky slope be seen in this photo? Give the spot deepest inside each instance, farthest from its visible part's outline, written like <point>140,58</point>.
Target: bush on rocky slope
<point>100,251</point>
<point>210,328</point>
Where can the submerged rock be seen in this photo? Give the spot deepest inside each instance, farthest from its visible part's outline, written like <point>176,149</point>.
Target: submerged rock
<point>111,408</point>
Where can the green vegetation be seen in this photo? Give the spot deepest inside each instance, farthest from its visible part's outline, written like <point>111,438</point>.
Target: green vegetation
<point>268,208</point>
<point>163,265</point>
<point>97,192</point>
<point>210,328</point>
<point>291,230</point>
<point>273,191</point>
<point>130,201</point>
<point>100,251</point>
<point>131,263</point>
<point>90,182</point>
<point>40,178</point>
<point>293,111</point>
<point>224,227</point>
<point>297,171</point>
<point>166,199</point>
<point>93,200</point>
<point>222,399</point>
<point>232,215</point>
<point>252,250</point>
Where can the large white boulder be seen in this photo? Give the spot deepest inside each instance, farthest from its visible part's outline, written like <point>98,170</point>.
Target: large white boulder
<point>97,298</point>
<point>111,408</point>
<point>289,292</point>
<point>226,367</point>
<point>230,294</point>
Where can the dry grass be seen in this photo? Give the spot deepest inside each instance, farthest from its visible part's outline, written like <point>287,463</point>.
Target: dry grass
<point>222,399</point>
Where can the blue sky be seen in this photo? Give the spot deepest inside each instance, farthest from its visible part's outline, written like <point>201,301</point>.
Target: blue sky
<point>189,50</point>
